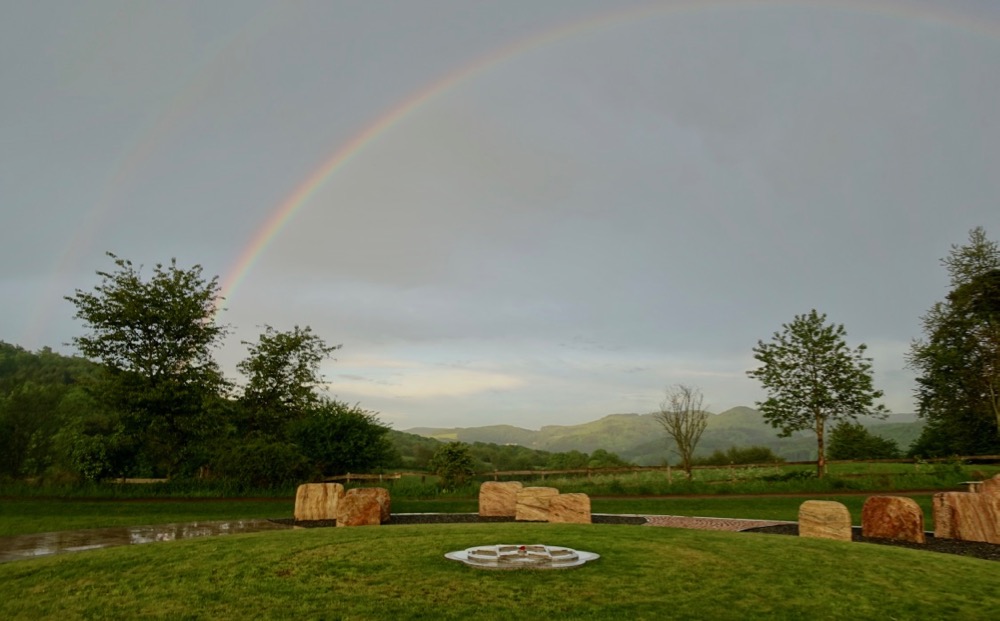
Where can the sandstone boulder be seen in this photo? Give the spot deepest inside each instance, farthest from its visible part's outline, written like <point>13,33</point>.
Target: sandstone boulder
<point>990,486</point>
<point>317,501</point>
<point>893,517</point>
<point>533,503</point>
<point>498,499</point>
<point>824,519</point>
<point>569,509</point>
<point>359,510</point>
<point>967,516</point>
<point>381,496</point>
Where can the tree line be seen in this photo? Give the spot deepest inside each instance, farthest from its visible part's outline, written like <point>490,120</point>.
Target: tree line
<point>147,398</point>
<point>814,380</point>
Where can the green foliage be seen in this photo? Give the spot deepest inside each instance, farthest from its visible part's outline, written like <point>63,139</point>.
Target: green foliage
<point>736,455</point>
<point>262,463</point>
<point>415,451</point>
<point>453,462</point>
<point>338,438</point>
<point>958,361</point>
<point>854,441</point>
<point>812,378</point>
<point>571,460</point>
<point>155,339</point>
<point>283,374</point>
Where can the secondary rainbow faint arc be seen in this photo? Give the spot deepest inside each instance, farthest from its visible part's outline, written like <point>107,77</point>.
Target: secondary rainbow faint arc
<point>287,209</point>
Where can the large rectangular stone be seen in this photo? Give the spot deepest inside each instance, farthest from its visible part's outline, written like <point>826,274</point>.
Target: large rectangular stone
<point>317,501</point>
<point>499,499</point>
<point>824,519</point>
<point>533,503</point>
<point>569,509</point>
<point>893,517</point>
<point>967,516</point>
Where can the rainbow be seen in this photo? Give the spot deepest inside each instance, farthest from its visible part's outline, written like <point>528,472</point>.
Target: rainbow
<point>302,194</point>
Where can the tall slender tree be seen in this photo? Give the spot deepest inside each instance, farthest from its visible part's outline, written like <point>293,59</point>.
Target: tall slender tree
<point>812,378</point>
<point>958,360</point>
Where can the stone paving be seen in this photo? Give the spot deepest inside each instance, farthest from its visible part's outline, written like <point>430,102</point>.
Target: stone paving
<point>708,523</point>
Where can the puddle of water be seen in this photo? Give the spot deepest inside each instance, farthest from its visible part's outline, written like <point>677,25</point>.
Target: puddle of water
<point>20,547</point>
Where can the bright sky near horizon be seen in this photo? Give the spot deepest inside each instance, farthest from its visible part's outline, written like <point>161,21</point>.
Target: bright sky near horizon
<point>508,212</point>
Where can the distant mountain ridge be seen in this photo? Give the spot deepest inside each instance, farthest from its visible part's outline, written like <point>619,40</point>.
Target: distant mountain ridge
<point>640,439</point>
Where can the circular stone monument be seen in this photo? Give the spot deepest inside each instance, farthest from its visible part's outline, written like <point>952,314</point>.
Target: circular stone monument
<point>522,557</point>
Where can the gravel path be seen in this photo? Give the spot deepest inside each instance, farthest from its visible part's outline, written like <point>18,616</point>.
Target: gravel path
<point>705,523</point>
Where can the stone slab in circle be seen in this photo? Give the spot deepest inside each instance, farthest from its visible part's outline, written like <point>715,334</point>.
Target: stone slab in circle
<point>359,510</point>
<point>569,509</point>
<point>967,516</point>
<point>893,517</point>
<point>990,486</point>
<point>317,501</point>
<point>499,499</point>
<point>824,519</point>
<point>381,496</point>
<point>533,503</point>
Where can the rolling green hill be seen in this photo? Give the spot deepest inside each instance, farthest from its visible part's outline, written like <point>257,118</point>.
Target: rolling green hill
<point>640,439</point>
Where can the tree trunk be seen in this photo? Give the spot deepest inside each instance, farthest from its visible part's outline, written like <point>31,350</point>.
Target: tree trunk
<point>820,447</point>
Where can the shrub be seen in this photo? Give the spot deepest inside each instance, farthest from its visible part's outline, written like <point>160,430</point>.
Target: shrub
<point>736,455</point>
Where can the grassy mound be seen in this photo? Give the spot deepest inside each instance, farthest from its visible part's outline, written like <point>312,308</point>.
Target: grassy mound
<point>401,573</point>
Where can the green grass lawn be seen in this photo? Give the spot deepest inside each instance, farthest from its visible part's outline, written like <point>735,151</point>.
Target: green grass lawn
<point>400,573</point>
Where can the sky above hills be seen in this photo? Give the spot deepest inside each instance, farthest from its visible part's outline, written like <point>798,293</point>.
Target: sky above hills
<point>507,211</point>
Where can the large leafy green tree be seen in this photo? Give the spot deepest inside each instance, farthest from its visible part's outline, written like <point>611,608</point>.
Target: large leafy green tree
<point>852,441</point>
<point>283,379</point>
<point>958,360</point>
<point>155,338</point>
<point>812,378</point>
<point>453,462</point>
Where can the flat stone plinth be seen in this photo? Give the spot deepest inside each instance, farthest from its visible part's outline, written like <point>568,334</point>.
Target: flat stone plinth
<point>534,556</point>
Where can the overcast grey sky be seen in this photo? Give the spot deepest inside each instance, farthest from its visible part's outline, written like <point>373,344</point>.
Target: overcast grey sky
<point>542,212</point>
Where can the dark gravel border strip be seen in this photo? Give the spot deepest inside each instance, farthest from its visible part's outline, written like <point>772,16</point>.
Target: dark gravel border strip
<point>975,549</point>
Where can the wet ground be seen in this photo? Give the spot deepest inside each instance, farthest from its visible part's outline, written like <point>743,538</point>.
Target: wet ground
<point>20,547</point>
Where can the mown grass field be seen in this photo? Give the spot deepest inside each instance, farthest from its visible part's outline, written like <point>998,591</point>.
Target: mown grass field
<point>400,573</point>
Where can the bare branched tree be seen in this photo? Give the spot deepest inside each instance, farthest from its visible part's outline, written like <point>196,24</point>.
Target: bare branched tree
<point>684,420</point>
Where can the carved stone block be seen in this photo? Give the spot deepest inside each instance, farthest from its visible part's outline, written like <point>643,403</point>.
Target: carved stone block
<point>498,499</point>
<point>317,501</point>
<point>824,519</point>
<point>967,516</point>
<point>569,509</point>
<point>359,510</point>
<point>893,517</point>
<point>533,503</point>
